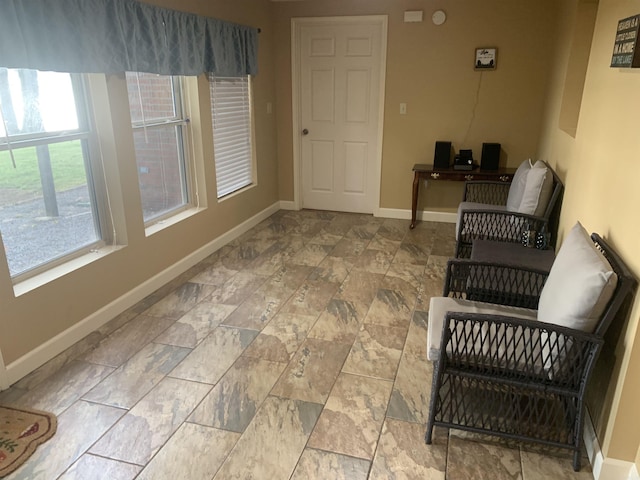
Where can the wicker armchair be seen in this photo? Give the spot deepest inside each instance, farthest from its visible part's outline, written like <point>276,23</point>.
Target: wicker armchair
<point>483,215</point>
<point>510,373</point>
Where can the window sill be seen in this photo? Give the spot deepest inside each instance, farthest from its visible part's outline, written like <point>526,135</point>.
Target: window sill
<point>238,192</point>
<point>174,219</point>
<point>37,281</point>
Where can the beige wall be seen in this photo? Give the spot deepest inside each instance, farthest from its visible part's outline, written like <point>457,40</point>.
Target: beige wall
<point>430,68</point>
<point>33,318</point>
<point>598,168</point>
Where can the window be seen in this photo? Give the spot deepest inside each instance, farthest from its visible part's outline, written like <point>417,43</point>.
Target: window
<point>48,206</point>
<point>232,135</point>
<point>159,125</point>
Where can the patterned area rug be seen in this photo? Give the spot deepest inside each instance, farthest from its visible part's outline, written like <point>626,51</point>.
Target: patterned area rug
<point>21,431</point>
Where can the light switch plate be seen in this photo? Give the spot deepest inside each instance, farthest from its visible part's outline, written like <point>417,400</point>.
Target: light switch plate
<point>412,16</point>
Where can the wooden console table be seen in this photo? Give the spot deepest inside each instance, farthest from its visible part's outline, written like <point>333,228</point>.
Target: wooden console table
<point>422,170</point>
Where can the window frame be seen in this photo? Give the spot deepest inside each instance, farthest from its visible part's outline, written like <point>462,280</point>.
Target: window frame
<point>181,121</point>
<point>87,135</point>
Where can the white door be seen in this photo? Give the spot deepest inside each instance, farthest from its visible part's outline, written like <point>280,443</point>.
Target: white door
<point>340,65</point>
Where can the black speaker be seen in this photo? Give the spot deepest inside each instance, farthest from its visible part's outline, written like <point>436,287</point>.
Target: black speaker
<point>442,156</point>
<point>490,159</point>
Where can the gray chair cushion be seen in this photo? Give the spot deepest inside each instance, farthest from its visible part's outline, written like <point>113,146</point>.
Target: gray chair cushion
<point>537,192</point>
<point>516,190</point>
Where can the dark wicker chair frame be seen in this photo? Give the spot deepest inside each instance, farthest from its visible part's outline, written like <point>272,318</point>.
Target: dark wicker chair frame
<point>504,226</point>
<point>519,379</point>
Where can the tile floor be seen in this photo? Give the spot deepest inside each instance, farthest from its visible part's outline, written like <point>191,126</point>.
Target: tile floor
<point>295,352</point>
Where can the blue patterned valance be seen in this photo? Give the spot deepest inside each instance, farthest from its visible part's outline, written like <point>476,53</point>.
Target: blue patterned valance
<point>110,36</point>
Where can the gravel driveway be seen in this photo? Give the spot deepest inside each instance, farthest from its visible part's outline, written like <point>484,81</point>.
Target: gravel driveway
<point>31,238</point>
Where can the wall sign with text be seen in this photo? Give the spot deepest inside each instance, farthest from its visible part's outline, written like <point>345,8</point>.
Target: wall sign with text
<point>625,48</point>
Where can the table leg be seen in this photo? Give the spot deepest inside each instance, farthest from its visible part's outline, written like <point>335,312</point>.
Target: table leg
<point>414,199</point>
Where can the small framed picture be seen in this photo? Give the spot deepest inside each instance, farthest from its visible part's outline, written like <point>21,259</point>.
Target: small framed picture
<point>486,58</point>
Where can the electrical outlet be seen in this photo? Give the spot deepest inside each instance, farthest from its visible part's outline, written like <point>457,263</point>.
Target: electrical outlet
<point>403,109</point>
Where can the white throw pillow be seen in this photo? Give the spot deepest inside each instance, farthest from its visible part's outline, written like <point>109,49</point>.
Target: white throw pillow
<point>537,190</point>
<point>580,284</point>
<point>516,190</point>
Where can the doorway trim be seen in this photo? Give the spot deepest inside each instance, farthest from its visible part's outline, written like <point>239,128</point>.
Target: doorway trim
<point>296,24</point>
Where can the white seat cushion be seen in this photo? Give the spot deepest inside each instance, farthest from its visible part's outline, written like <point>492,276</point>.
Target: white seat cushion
<point>580,284</point>
<point>439,306</point>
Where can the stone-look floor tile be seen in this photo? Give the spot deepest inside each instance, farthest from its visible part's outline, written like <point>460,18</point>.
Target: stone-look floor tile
<point>393,229</point>
<point>351,420</point>
<point>404,277</point>
<point>376,351</point>
<point>411,253</point>
<point>65,387</point>
<point>78,428</point>
<point>274,258</point>
<point>468,459</point>
<point>194,452</point>
<point>340,321</point>
<point>312,371</point>
<point>233,402</point>
<point>311,254</point>
<point>181,300</point>
<point>141,432</point>
<point>235,290</point>
<point>217,274</point>
<point>122,344</point>
<point>325,238</point>
<point>433,281</point>
<point>549,467</point>
<point>416,343</point>
<point>134,379</point>
<point>98,468</point>
<point>281,338</point>
<point>58,362</point>
<point>363,232</point>
<point>402,453</point>
<point>421,236</point>
<point>195,325</point>
<point>311,298</point>
<point>347,248</point>
<point>239,258</point>
<point>331,269</point>
<point>360,287</point>
<point>273,441</point>
<point>412,390</point>
<point>255,312</point>
<point>285,281</point>
<point>389,308</point>
<point>316,464</point>
<point>373,261</point>
<point>209,361</point>
<point>444,246</point>
<point>379,242</point>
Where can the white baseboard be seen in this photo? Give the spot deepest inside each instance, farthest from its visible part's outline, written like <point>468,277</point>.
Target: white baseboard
<point>45,352</point>
<point>605,468</point>
<point>424,215</point>
<point>287,205</point>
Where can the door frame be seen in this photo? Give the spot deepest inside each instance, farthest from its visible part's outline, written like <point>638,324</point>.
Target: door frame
<point>296,24</point>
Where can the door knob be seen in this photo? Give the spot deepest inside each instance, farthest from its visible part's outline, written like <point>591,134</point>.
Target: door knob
<point>305,132</point>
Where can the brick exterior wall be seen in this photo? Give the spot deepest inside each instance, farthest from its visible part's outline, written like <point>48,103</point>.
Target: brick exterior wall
<point>157,155</point>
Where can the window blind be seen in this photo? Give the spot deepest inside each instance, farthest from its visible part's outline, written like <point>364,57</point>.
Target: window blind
<point>231,115</point>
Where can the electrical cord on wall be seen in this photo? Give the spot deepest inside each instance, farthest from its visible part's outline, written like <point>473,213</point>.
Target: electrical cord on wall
<point>473,111</point>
